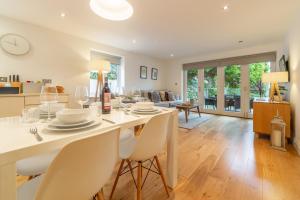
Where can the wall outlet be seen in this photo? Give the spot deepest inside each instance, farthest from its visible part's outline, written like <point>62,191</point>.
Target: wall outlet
<point>3,79</point>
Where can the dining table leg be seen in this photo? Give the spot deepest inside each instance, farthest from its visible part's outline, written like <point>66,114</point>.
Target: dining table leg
<point>8,184</point>
<point>172,148</point>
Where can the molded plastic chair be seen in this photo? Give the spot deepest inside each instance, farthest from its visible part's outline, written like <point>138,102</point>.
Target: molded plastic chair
<point>78,172</point>
<point>147,146</point>
<point>37,165</point>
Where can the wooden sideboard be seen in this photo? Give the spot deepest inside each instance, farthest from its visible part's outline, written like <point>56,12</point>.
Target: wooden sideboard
<point>13,104</point>
<point>263,113</point>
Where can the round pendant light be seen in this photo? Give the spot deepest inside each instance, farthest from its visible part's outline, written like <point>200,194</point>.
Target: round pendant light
<point>115,10</point>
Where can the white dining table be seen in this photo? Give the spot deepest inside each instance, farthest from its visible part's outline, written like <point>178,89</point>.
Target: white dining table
<point>17,143</point>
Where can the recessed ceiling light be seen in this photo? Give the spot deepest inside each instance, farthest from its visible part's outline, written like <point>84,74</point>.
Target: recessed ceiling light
<point>133,41</point>
<point>172,55</point>
<point>226,7</point>
<point>115,10</point>
<point>62,14</point>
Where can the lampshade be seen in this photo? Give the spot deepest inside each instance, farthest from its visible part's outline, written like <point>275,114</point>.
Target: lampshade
<point>275,77</point>
<point>100,65</point>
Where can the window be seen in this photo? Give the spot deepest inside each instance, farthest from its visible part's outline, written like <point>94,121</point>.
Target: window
<point>192,84</point>
<point>113,80</point>
<point>232,88</point>
<point>210,88</point>
<point>257,88</point>
<point>115,77</point>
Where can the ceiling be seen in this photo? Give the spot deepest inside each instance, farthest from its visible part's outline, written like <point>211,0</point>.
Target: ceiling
<point>165,27</point>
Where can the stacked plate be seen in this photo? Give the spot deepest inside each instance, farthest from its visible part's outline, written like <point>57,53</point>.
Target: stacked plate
<point>145,108</point>
<point>57,125</point>
<point>72,120</point>
<point>145,111</point>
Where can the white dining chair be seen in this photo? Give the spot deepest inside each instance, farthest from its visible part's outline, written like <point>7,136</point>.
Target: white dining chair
<point>146,146</point>
<point>37,165</point>
<point>78,172</point>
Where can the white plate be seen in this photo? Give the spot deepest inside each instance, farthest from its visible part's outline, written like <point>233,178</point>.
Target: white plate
<point>145,109</point>
<point>42,114</point>
<point>59,124</point>
<point>95,123</point>
<point>146,113</point>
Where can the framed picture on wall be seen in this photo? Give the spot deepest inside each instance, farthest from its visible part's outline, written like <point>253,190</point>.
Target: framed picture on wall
<point>154,73</point>
<point>283,65</point>
<point>143,72</point>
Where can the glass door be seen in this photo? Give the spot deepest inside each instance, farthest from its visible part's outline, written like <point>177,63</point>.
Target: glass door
<point>192,84</point>
<point>232,90</point>
<point>257,89</point>
<point>228,90</point>
<point>210,89</point>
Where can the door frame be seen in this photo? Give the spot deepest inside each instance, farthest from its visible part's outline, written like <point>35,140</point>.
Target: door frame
<point>220,92</point>
<point>245,91</point>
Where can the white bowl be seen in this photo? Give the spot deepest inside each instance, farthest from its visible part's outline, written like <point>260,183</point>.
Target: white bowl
<point>144,105</point>
<point>53,107</point>
<point>72,116</point>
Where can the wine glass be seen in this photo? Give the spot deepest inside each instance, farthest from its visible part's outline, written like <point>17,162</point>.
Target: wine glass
<point>49,96</point>
<point>82,95</point>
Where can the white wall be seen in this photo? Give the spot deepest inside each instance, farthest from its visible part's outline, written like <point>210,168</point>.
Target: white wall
<point>175,74</point>
<point>64,58</point>
<point>293,45</point>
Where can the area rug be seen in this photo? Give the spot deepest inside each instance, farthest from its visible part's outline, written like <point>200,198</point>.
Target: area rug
<point>194,120</point>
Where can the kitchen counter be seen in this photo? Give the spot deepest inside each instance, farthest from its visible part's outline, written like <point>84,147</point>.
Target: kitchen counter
<point>13,104</point>
<point>26,95</point>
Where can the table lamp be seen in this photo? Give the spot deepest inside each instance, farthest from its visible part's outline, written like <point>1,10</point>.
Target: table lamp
<point>103,66</point>
<point>274,78</point>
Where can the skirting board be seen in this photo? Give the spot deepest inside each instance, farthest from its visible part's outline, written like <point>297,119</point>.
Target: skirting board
<point>297,146</point>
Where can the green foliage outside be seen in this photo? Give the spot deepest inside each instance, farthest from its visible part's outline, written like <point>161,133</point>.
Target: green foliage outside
<point>257,88</point>
<point>232,80</point>
<point>113,74</point>
<point>192,84</point>
<point>210,82</point>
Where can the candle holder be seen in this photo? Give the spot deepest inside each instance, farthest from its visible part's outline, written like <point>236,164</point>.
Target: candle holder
<point>278,133</point>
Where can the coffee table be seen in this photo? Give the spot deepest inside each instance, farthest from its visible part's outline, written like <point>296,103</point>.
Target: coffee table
<point>186,108</point>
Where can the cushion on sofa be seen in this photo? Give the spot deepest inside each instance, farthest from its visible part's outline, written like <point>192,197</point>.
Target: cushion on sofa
<point>170,96</point>
<point>150,96</point>
<point>155,97</point>
<point>162,95</point>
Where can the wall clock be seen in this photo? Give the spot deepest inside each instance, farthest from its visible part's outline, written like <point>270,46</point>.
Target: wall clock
<point>14,44</point>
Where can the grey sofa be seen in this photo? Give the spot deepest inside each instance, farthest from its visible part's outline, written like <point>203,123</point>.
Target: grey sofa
<point>162,98</point>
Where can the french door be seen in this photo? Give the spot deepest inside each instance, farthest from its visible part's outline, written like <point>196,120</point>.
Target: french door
<point>228,90</point>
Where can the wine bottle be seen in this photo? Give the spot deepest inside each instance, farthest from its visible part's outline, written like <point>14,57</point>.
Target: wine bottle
<point>106,98</point>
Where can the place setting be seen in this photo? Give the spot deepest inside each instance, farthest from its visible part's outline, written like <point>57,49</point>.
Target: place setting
<point>75,119</point>
<point>72,120</point>
<point>143,108</point>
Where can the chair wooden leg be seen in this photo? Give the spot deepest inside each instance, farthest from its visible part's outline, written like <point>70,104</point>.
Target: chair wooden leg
<point>131,169</point>
<point>139,181</point>
<point>198,109</point>
<point>100,195</point>
<point>117,179</point>
<point>186,116</point>
<point>162,175</point>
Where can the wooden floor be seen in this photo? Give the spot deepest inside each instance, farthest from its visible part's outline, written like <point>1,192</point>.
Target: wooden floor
<point>222,159</point>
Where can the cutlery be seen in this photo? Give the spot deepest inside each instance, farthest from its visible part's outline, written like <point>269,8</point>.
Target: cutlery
<point>109,121</point>
<point>34,131</point>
